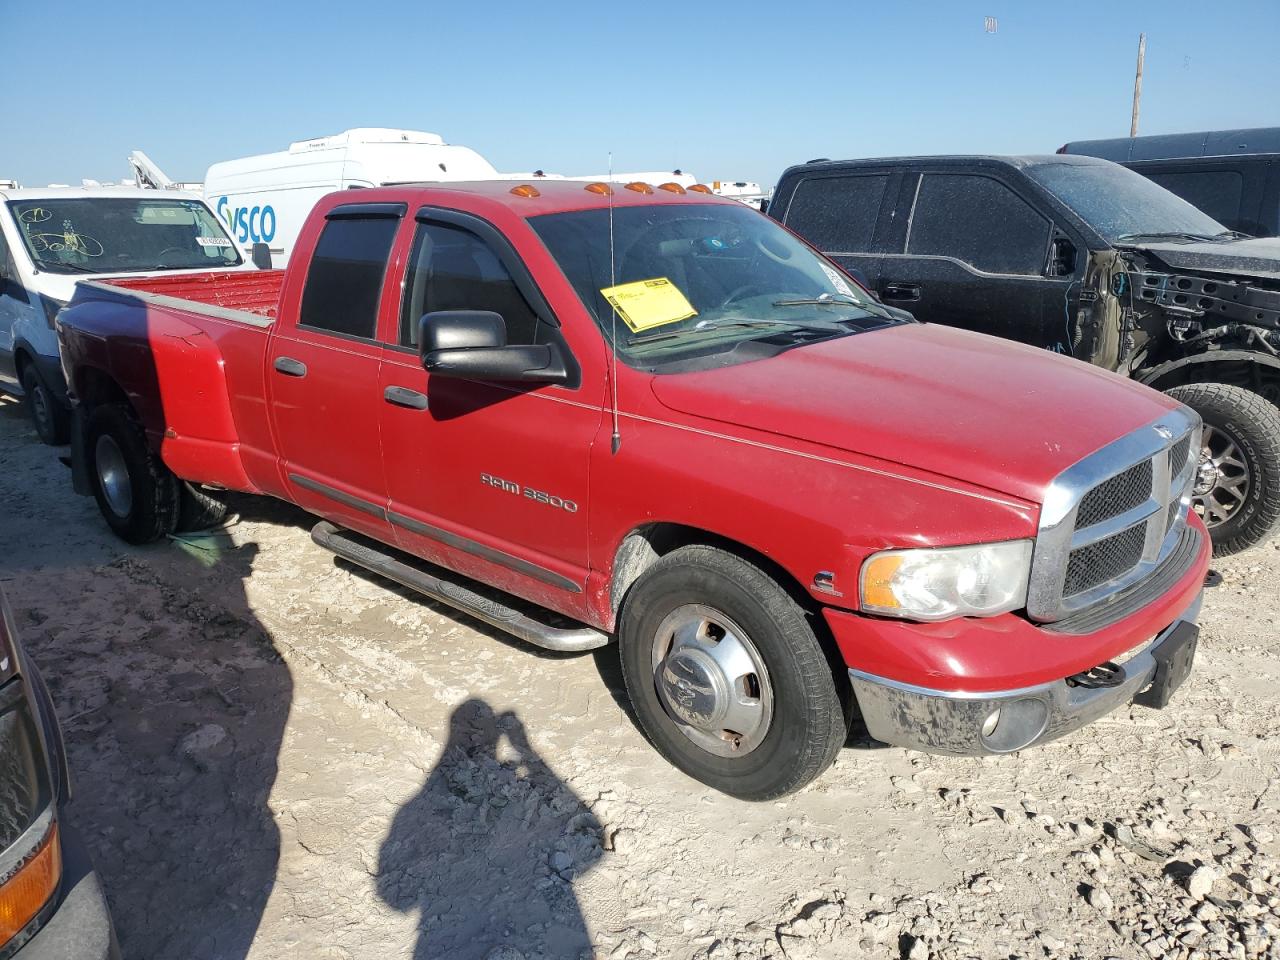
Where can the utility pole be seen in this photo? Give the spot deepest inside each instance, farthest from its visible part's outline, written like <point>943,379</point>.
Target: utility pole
<point>1137,84</point>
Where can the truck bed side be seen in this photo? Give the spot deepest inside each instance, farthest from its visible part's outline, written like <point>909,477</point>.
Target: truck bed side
<point>187,353</point>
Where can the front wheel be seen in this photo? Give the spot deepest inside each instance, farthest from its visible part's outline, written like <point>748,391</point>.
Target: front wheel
<point>728,679</point>
<point>1237,484</point>
<point>138,495</point>
<point>52,422</point>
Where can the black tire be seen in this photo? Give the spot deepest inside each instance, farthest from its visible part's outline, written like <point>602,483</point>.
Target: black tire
<point>154,492</point>
<point>198,510</point>
<point>1252,424</point>
<point>52,420</point>
<point>808,722</point>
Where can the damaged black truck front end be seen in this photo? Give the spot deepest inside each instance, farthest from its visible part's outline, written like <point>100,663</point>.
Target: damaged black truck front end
<point>1177,301</point>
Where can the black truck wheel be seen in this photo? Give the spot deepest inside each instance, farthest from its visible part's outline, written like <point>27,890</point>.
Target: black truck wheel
<point>135,491</point>
<point>727,677</point>
<point>1237,485</point>
<point>198,510</point>
<point>52,422</point>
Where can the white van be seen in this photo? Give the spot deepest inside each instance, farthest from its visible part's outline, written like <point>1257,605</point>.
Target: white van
<point>52,237</point>
<point>266,198</point>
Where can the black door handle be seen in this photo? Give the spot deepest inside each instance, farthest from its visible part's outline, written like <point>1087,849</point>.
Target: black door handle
<point>404,397</point>
<point>291,367</point>
<point>901,291</point>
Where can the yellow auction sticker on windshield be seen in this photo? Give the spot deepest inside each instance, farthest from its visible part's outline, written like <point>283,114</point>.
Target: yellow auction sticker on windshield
<point>649,303</point>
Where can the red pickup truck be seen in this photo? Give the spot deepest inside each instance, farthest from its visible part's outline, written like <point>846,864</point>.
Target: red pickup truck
<point>663,417</point>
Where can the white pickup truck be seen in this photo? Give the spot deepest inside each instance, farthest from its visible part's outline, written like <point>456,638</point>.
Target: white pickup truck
<point>50,237</point>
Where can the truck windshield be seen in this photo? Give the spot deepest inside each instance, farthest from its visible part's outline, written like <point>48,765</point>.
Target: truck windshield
<point>1122,205</point>
<point>699,278</point>
<point>121,235</point>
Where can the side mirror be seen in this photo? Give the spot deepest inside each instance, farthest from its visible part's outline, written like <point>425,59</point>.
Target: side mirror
<point>261,256</point>
<point>472,345</point>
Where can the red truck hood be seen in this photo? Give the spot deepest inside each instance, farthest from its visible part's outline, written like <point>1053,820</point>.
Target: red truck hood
<point>991,412</point>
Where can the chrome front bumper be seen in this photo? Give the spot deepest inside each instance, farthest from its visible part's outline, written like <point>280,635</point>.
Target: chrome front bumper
<point>969,724</point>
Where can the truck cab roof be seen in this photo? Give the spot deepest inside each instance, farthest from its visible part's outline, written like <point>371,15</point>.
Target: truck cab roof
<point>1018,161</point>
<point>535,197</point>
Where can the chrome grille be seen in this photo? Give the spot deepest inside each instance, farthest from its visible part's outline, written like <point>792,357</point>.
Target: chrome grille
<point>1099,562</point>
<point>1113,497</point>
<point>1178,455</point>
<point>1109,520</point>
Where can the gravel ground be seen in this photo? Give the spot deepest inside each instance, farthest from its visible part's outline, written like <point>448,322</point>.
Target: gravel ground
<point>275,755</point>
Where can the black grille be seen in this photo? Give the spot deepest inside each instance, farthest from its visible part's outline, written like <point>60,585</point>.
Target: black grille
<point>1178,456</point>
<point>1099,562</point>
<point>1172,515</point>
<point>1113,497</point>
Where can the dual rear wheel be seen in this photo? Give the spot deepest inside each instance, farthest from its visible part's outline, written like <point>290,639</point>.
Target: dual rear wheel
<point>138,495</point>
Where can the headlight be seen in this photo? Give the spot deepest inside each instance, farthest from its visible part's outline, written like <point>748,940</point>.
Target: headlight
<point>936,584</point>
<point>29,843</point>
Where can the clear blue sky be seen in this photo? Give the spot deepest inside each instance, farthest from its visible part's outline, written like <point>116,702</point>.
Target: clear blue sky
<point>727,91</point>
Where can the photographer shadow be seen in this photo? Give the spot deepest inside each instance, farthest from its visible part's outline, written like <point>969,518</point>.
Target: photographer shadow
<point>487,851</point>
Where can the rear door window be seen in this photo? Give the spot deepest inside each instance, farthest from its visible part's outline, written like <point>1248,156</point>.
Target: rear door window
<point>837,214</point>
<point>979,221</point>
<point>344,280</point>
<point>1216,192</point>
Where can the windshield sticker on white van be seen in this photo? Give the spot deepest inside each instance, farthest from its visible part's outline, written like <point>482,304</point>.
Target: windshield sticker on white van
<point>213,241</point>
<point>837,281</point>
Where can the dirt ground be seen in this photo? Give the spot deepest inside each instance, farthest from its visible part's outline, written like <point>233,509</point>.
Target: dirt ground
<point>275,755</point>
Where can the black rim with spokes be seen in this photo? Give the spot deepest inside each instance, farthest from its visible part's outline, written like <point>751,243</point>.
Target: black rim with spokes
<point>1222,478</point>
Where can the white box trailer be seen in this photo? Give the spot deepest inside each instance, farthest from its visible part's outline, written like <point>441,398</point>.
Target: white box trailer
<point>266,198</point>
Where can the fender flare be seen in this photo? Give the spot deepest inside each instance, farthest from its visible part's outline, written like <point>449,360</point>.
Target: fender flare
<point>42,364</point>
<point>1151,375</point>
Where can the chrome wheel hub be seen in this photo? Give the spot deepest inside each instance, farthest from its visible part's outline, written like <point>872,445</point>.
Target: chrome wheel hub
<point>113,476</point>
<point>1222,478</point>
<point>712,681</point>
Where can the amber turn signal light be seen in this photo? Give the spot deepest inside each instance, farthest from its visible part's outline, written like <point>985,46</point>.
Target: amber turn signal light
<point>27,891</point>
<point>700,188</point>
<point>639,186</point>
<point>877,582</point>
<point>601,188</point>
<point>526,190</point>
<point>671,187</point>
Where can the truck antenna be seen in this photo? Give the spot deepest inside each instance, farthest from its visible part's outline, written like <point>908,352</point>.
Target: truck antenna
<point>616,440</point>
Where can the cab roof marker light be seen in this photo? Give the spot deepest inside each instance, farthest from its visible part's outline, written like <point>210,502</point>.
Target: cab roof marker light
<point>639,186</point>
<point>671,187</point>
<point>700,188</point>
<point>526,190</point>
<point>602,189</point>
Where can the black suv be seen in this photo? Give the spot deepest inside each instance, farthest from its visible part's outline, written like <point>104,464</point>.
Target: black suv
<point>51,903</point>
<point>1086,258</point>
<point>1232,175</point>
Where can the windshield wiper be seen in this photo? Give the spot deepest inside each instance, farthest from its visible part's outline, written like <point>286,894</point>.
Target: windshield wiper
<point>713,325</point>
<point>1172,235</point>
<point>48,265</point>
<point>826,299</point>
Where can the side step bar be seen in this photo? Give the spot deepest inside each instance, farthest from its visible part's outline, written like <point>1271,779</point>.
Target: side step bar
<point>492,612</point>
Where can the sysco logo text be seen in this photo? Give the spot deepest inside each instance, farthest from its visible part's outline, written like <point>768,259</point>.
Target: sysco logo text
<point>249,224</point>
